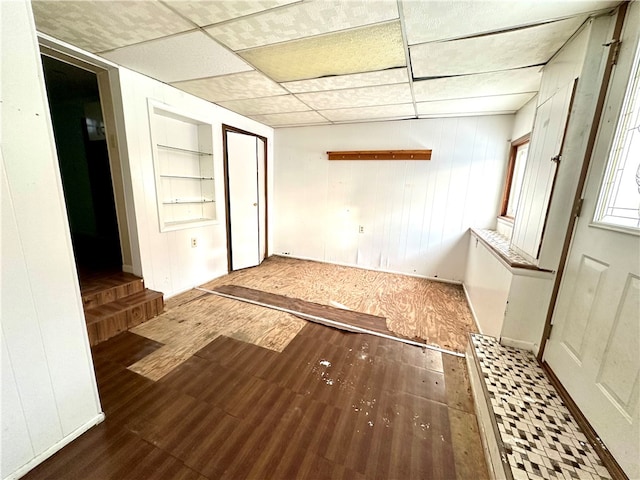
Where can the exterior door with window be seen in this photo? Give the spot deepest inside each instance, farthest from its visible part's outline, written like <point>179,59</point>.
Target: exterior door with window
<point>594,347</point>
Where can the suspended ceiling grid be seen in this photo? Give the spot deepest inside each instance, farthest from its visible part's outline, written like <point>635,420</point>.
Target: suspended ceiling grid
<point>309,62</point>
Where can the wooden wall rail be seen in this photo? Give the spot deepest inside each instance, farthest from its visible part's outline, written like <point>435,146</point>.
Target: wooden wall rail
<point>381,155</point>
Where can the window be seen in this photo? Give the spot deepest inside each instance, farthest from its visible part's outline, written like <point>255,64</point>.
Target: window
<point>619,200</point>
<point>515,175</point>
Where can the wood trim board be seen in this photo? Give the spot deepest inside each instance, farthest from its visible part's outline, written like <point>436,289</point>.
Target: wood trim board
<point>380,155</point>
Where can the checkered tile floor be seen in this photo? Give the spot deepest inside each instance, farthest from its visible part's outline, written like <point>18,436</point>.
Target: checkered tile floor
<point>541,439</point>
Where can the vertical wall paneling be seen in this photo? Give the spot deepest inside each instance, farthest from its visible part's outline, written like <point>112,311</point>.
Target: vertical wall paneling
<point>50,388</point>
<point>169,263</point>
<point>414,214</point>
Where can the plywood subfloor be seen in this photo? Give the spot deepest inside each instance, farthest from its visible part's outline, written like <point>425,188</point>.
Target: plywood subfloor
<point>330,405</point>
<point>433,312</point>
<point>436,313</point>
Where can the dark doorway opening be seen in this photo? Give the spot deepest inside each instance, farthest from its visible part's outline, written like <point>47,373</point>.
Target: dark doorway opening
<point>78,126</point>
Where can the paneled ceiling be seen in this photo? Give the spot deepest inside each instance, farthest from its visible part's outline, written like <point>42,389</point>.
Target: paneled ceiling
<point>313,62</point>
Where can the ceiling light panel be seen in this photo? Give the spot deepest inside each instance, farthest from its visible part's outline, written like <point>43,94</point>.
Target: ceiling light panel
<point>495,104</point>
<point>480,85</point>
<point>367,113</point>
<point>502,51</point>
<point>302,20</point>
<point>97,26</point>
<point>358,97</point>
<point>208,12</point>
<point>232,87</point>
<point>257,106</point>
<point>289,119</point>
<point>381,77</point>
<point>354,51</point>
<point>433,21</point>
<point>165,58</point>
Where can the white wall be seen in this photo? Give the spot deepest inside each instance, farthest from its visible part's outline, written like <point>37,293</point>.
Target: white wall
<point>169,264</point>
<point>49,394</point>
<point>523,121</point>
<point>415,214</point>
<point>487,282</point>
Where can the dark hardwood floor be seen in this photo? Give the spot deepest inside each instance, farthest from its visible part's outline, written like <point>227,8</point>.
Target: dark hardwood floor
<point>330,405</point>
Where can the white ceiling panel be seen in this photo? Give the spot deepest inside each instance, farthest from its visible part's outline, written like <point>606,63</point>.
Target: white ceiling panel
<point>381,77</point>
<point>480,85</point>
<point>290,119</point>
<point>353,51</point>
<point>302,20</point>
<point>433,21</point>
<point>97,26</point>
<point>358,97</point>
<point>208,12</point>
<point>471,106</point>
<point>232,87</point>
<point>363,113</point>
<point>164,59</point>
<point>502,51</point>
<point>259,106</point>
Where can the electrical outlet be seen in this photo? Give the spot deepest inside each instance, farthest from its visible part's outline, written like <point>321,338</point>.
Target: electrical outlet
<point>361,229</point>
<point>194,242</point>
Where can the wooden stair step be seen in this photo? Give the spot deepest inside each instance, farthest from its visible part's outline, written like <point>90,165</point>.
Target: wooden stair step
<point>105,289</point>
<point>107,320</point>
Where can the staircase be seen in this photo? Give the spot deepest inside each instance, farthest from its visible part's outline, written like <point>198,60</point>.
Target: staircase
<point>115,302</point>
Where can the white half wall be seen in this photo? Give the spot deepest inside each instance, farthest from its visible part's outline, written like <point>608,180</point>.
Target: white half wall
<point>169,264</point>
<point>49,392</point>
<point>414,214</point>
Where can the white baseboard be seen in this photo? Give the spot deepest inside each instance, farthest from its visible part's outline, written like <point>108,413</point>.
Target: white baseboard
<point>473,312</point>
<point>128,269</point>
<point>341,264</point>
<point>511,342</point>
<point>38,459</point>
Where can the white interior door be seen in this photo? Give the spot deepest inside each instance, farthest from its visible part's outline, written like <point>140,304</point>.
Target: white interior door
<point>244,200</point>
<point>594,347</point>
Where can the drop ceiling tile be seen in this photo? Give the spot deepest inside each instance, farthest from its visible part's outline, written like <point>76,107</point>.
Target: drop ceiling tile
<point>369,113</point>
<point>473,106</point>
<point>289,119</point>
<point>433,21</point>
<point>166,59</point>
<point>355,80</point>
<point>265,105</point>
<point>479,85</point>
<point>97,26</point>
<point>354,51</point>
<point>502,51</point>
<point>208,12</point>
<point>302,20</point>
<point>358,97</point>
<point>232,87</point>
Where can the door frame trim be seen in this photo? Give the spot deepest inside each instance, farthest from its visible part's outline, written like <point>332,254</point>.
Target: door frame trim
<point>225,165</point>
<point>110,101</point>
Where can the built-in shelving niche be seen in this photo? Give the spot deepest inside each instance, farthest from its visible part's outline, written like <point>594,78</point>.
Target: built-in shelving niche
<point>184,168</point>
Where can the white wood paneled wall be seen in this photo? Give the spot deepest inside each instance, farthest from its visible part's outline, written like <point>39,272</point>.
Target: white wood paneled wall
<point>169,263</point>
<point>49,393</point>
<point>414,214</point>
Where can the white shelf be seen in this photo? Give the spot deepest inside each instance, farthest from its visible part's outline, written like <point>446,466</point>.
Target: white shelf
<point>184,166</point>
<point>184,150</point>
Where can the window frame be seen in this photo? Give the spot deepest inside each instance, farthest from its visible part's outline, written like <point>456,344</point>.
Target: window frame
<point>509,175</point>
